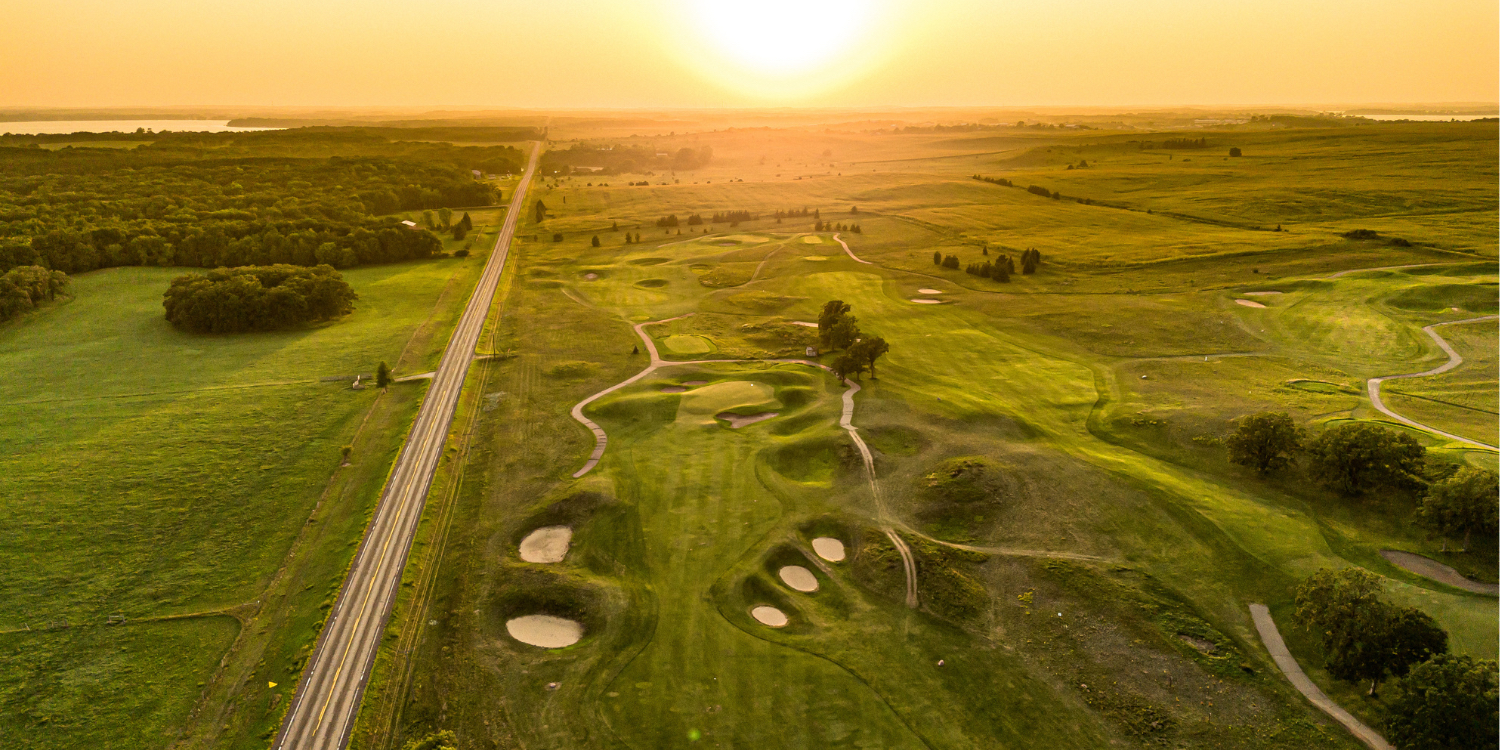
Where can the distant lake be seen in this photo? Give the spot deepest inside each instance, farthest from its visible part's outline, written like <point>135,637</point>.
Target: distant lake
<point>1426,118</point>
<point>53,127</point>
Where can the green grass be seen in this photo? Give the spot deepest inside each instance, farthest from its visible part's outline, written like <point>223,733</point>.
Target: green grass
<point>153,473</point>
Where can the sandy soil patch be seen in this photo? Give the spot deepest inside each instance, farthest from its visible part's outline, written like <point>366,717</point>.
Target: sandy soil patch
<point>1248,303</point>
<point>674,389</point>
<point>590,276</point>
<point>548,544</point>
<point>737,421</point>
<point>1259,294</point>
<point>816,258</point>
<point>799,578</point>
<point>804,323</point>
<point>928,301</point>
<point>929,291</point>
<point>769,616</point>
<point>545,631</point>
<point>829,549</point>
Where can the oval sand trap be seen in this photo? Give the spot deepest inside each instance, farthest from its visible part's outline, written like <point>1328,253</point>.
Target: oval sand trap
<point>804,324</point>
<point>928,301</point>
<point>829,549</point>
<point>545,631</point>
<point>1248,303</point>
<point>548,544</point>
<point>1259,294</point>
<point>769,616</point>
<point>737,421</point>
<point>799,578</point>
<point>929,291</point>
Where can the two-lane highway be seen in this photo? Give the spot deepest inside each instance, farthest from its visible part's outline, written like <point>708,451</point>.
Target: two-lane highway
<point>328,697</point>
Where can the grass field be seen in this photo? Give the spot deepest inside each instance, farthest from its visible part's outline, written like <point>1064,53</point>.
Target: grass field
<point>1119,548</point>
<point>167,479</point>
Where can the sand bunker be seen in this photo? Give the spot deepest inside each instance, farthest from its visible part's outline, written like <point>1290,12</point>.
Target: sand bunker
<point>928,301</point>
<point>1259,294</point>
<point>765,615</point>
<point>548,544</point>
<point>829,549</point>
<point>929,291</point>
<point>1248,303</point>
<point>737,421</point>
<point>799,578</point>
<point>804,324</point>
<point>816,258</point>
<point>590,276</point>
<point>674,389</point>
<point>547,631</point>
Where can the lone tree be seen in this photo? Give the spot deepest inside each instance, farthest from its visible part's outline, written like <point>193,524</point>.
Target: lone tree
<point>595,241</point>
<point>1352,459</point>
<point>1265,442</point>
<point>937,258</point>
<point>868,350</point>
<point>1447,702</point>
<point>541,211</point>
<point>1362,636</point>
<point>382,375</point>
<point>1462,504</point>
<point>445,217</point>
<point>833,312</point>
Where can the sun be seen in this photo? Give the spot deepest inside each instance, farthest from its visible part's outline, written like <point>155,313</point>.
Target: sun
<point>782,48</point>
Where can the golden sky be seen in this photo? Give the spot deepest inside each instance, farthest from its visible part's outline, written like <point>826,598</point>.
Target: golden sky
<point>668,53</point>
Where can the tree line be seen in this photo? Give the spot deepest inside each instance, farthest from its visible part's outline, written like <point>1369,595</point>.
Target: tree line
<point>209,202</point>
<point>621,159</point>
<point>838,329</point>
<point>23,287</point>
<point>257,298</point>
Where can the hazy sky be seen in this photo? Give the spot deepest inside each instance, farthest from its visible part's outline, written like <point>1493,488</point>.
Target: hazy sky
<point>654,53</point>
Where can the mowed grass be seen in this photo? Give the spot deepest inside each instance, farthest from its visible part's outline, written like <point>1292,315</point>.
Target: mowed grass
<point>150,473</point>
<point>1123,541</point>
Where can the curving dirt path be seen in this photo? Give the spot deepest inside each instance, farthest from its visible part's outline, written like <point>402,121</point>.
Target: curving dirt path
<point>1434,570</point>
<point>846,417</point>
<point>851,254</point>
<point>1454,360</point>
<point>1271,637</point>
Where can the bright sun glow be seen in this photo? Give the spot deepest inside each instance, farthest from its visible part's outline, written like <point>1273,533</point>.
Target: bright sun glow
<point>782,48</point>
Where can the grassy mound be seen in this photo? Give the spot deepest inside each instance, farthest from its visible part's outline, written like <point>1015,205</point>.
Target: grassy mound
<point>961,497</point>
<point>687,344</point>
<point>737,396</point>
<point>813,460</point>
<point>1436,297</point>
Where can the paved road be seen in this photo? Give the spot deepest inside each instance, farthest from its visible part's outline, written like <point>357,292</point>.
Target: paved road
<point>1454,360</point>
<point>327,699</point>
<point>1271,637</point>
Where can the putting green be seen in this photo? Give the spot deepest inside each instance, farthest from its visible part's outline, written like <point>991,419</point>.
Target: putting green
<point>687,344</point>
<point>701,404</point>
<point>811,240</point>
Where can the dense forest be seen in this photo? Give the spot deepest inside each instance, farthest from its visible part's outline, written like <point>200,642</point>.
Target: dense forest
<point>230,199</point>
<point>256,298</point>
<point>623,159</point>
<point>22,288</point>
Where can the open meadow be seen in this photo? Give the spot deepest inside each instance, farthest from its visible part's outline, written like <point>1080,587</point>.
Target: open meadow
<point>1046,458</point>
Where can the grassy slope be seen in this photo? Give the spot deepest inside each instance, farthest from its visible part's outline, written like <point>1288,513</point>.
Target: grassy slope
<point>169,476</point>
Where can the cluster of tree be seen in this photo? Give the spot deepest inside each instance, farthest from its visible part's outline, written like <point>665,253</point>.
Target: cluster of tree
<point>205,200</point>
<point>798,213</point>
<point>622,159</point>
<point>462,228</point>
<point>1030,259</point>
<point>1044,192</point>
<point>1082,164</point>
<point>256,298</point>
<point>21,288</point>
<point>995,181</point>
<point>837,329</point>
<point>950,261</point>
<point>1177,143</point>
<point>1445,701</point>
<point>828,226</point>
<point>1361,457</point>
<point>999,270</point>
<point>733,218</point>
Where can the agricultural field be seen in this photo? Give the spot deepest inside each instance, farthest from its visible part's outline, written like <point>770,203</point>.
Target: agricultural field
<point>1046,478</point>
<point>178,518</point>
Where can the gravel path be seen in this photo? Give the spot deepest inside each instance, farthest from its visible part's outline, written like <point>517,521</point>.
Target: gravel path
<point>1454,360</point>
<point>1430,568</point>
<point>1271,637</point>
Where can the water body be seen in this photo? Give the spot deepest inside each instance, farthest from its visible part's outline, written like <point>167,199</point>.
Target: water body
<point>55,127</point>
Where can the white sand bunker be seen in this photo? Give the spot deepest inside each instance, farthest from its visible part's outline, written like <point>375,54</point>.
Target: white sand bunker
<point>544,631</point>
<point>829,549</point>
<point>1248,303</point>
<point>929,291</point>
<point>799,578</point>
<point>1259,294</point>
<point>928,301</point>
<point>674,389</point>
<point>737,421</point>
<point>590,276</point>
<point>804,324</point>
<point>548,544</point>
<point>769,616</point>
